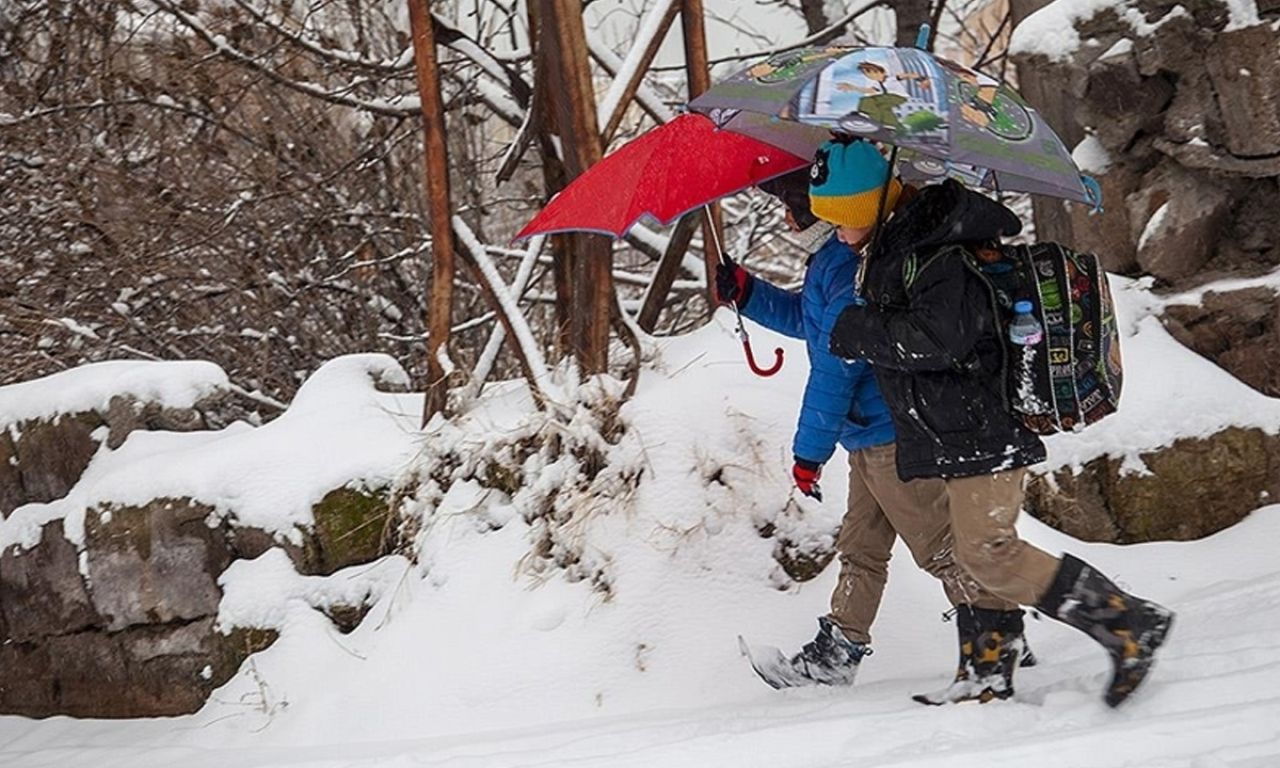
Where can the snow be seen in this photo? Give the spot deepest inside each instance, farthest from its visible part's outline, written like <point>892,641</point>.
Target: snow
<point>1091,157</point>
<point>267,593</point>
<point>266,477</point>
<point>1169,391</point>
<point>1051,31</point>
<point>1156,225</point>
<point>1123,47</point>
<point>1244,13</point>
<point>649,29</point>
<point>91,387</point>
<point>472,655</point>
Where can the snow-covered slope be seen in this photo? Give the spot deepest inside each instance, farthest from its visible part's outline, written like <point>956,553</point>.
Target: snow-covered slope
<point>470,659</point>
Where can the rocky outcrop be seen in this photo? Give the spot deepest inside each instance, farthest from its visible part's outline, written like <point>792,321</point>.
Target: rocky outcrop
<point>1239,331</point>
<point>1191,489</point>
<point>42,459</point>
<point>352,526</point>
<point>1180,103</point>
<point>1187,112</point>
<point>46,458</point>
<point>125,627</point>
<point>110,609</point>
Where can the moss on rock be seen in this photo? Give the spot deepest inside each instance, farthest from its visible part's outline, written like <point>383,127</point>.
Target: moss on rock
<point>1191,489</point>
<point>350,528</point>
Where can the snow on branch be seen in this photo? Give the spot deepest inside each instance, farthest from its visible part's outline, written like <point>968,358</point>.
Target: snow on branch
<point>647,38</point>
<point>484,366</point>
<point>830,32</point>
<point>652,103</point>
<point>532,361</point>
<point>448,35</point>
<point>401,64</point>
<point>402,106</point>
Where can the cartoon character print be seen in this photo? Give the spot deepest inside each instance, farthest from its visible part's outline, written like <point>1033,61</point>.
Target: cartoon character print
<point>786,66</point>
<point>878,103</point>
<point>985,104</point>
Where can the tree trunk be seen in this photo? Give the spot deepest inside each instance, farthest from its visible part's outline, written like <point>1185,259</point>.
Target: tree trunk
<point>440,305</point>
<point>698,69</point>
<point>908,15</point>
<point>815,15</point>
<point>591,269</point>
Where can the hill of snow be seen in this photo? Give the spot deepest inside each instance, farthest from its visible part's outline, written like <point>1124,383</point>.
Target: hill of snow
<point>471,657</point>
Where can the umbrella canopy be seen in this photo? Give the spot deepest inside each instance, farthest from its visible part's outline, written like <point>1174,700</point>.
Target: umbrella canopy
<point>669,171</point>
<point>949,119</point>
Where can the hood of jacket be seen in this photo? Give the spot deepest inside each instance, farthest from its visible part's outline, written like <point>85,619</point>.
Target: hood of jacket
<point>949,213</point>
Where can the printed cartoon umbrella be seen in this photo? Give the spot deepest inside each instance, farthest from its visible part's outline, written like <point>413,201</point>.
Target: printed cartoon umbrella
<point>673,169</point>
<point>947,119</point>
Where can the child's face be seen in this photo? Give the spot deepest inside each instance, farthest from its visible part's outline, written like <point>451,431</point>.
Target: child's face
<point>852,236</point>
<point>790,219</point>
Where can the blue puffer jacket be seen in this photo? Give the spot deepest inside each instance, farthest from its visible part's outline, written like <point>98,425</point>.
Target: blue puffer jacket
<point>842,401</point>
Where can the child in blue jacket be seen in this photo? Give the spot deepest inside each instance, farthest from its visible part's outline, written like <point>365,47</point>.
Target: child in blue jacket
<point>842,406</point>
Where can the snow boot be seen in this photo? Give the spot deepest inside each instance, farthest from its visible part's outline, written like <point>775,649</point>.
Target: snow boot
<point>831,658</point>
<point>1128,627</point>
<point>991,648</point>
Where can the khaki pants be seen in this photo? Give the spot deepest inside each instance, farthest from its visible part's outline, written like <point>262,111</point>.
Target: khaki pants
<point>983,512</point>
<point>881,508</point>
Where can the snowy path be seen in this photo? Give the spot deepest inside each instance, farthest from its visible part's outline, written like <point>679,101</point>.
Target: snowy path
<point>470,661</point>
<point>1214,703</point>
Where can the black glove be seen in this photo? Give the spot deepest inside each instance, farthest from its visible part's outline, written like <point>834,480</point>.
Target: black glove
<point>733,283</point>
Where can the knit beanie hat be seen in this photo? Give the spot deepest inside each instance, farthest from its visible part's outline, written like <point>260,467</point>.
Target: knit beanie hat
<point>845,184</point>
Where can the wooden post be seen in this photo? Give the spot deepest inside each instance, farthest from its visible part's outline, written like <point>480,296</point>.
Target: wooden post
<point>592,267</point>
<point>440,303</point>
<point>668,267</point>
<point>698,68</point>
<point>553,171</point>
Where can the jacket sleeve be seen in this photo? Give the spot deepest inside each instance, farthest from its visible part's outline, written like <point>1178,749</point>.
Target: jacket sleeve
<point>775,309</point>
<point>830,390</point>
<point>936,331</point>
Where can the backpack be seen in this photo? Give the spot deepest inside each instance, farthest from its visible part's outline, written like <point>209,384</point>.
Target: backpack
<point>1072,377</point>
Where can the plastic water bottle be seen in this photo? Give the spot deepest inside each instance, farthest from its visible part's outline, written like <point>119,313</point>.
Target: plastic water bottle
<point>1025,330</point>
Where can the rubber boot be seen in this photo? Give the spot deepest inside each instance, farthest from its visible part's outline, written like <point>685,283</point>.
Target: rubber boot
<point>991,648</point>
<point>1128,627</point>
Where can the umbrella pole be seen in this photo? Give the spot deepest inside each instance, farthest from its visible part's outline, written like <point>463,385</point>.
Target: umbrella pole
<point>742,328</point>
<point>879,225</point>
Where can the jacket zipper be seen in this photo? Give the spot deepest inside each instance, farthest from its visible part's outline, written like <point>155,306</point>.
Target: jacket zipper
<point>920,271</point>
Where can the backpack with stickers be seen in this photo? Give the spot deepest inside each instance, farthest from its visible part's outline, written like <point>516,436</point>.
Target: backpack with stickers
<point>1071,376</point>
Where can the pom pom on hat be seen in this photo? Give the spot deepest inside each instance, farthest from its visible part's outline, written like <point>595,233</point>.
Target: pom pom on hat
<point>845,183</point>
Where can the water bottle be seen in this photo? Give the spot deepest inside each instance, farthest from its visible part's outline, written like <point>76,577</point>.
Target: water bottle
<point>1025,330</point>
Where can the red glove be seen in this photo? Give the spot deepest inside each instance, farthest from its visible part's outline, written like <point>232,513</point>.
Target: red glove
<point>806,475</point>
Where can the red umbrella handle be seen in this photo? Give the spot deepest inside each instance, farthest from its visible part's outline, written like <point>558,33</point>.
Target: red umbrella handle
<point>755,367</point>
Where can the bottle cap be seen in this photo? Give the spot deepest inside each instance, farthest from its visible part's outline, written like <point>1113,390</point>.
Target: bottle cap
<point>1023,307</point>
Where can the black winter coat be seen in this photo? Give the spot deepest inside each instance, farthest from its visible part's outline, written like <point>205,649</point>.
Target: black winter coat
<point>930,331</point>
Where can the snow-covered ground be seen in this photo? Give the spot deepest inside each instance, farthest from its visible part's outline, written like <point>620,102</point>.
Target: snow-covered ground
<point>472,658</point>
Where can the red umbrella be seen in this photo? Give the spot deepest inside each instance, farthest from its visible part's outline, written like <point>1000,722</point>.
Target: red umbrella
<point>669,171</point>
<point>673,169</point>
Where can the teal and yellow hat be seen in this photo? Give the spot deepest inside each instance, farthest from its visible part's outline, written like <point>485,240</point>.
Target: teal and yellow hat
<point>845,182</point>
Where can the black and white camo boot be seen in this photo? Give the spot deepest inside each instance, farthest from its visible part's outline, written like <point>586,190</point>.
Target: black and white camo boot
<point>991,647</point>
<point>1129,628</point>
